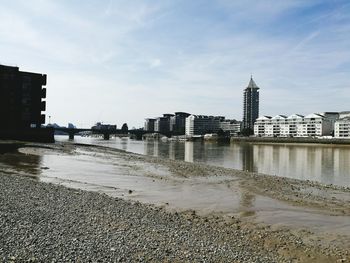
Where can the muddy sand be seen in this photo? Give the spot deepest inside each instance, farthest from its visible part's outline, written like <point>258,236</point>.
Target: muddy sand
<point>152,209</point>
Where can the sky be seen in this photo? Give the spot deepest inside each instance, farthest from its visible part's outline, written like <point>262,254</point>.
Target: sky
<point>127,60</point>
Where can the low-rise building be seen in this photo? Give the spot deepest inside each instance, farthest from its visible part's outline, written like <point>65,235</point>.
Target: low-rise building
<point>174,123</point>
<point>344,114</point>
<point>342,128</point>
<point>231,126</point>
<point>260,125</point>
<point>149,124</point>
<point>22,105</point>
<point>178,123</point>
<point>316,125</point>
<point>295,125</point>
<point>292,125</point>
<point>162,124</point>
<point>273,128</point>
<point>22,99</point>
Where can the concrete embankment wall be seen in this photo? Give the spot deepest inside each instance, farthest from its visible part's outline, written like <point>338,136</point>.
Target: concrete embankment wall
<point>290,140</point>
<point>45,135</point>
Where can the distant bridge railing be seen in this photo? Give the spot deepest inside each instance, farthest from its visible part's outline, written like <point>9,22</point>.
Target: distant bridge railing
<point>106,132</point>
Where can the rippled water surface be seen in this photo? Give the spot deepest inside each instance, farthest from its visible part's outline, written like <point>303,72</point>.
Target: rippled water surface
<point>328,164</point>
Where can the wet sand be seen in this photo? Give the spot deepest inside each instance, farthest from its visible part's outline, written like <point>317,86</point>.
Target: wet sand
<point>299,220</point>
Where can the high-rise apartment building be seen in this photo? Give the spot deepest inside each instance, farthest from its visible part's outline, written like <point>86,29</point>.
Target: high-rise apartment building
<point>250,105</point>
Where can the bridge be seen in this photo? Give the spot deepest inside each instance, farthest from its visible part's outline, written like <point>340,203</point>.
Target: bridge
<point>107,132</point>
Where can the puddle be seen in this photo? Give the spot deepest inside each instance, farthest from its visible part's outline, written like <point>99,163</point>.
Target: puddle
<point>13,161</point>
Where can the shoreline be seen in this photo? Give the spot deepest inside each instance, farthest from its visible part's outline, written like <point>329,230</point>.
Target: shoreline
<point>281,244</point>
<point>98,227</point>
<point>280,140</point>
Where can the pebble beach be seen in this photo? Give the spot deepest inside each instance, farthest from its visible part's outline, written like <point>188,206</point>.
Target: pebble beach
<point>45,222</point>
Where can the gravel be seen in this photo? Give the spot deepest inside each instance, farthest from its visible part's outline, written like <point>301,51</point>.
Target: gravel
<point>48,223</point>
<point>41,222</point>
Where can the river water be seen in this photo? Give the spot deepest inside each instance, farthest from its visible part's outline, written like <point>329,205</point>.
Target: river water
<point>328,164</point>
<point>94,170</point>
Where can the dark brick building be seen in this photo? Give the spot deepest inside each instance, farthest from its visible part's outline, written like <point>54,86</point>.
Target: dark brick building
<point>22,104</point>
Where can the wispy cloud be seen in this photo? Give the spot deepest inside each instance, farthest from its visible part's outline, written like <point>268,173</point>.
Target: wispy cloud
<point>164,56</point>
<point>154,63</point>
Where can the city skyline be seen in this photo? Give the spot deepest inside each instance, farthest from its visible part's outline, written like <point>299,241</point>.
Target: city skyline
<point>117,62</point>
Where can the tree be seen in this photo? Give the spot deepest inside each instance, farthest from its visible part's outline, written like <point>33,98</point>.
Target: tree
<point>221,133</point>
<point>125,128</point>
<point>247,132</point>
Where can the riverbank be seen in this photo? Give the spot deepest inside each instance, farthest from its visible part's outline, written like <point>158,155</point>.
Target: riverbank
<point>51,223</point>
<point>291,140</point>
<point>48,222</point>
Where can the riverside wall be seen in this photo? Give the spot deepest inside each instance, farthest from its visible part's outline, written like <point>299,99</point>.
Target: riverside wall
<point>291,140</point>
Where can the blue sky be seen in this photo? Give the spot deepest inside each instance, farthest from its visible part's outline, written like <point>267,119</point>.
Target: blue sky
<point>123,61</point>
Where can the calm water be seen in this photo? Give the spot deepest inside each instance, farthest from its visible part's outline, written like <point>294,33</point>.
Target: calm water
<point>93,170</point>
<point>327,164</point>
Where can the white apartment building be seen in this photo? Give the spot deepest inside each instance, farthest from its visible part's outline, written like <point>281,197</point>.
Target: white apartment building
<point>273,128</point>
<point>344,114</point>
<point>291,125</point>
<point>295,125</point>
<point>342,128</point>
<point>260,124</point>
<point>316,125</point>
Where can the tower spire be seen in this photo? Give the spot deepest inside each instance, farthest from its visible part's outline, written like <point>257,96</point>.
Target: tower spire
<point>252,83</point>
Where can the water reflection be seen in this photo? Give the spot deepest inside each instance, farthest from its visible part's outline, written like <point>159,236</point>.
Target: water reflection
<point>323,163</point>
<point>189,152</point>
<point>13,161</point>
<point>328,164</point>
<point>247,158</point>
<point>124,144</point>
<point>246,204</point>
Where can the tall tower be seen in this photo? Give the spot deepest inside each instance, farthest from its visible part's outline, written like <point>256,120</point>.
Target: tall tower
<point>250,104</point>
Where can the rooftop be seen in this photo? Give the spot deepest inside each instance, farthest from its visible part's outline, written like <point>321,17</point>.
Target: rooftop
<point>252,84</point>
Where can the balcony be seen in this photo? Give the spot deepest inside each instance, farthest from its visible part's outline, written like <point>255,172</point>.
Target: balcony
<point>43,106</point>
<point>43,93</point>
